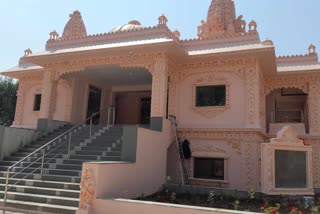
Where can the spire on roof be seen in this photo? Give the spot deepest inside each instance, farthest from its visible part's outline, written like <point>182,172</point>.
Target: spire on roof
<point>75,27</point>
<point>221,20</point>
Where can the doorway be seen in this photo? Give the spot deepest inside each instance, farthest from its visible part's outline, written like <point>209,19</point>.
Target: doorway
<point>145,111</point>
<point>94,103</point>
<point>133,107</point>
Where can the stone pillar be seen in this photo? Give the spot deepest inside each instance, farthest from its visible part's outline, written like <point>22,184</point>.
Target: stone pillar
<point>49,86</point>
<point>159,93</point>
<point>314,108</point>
<point>69,102</point>
<point>20,102</point>
<point>159,89</point>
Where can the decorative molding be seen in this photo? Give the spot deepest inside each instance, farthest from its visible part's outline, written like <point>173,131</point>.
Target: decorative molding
<point>251,165</point>
<point>231,135</point>
<point>146,61</point>
<point>236,66</point>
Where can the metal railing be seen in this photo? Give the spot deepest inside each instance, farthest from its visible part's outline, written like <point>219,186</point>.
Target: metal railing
<point>61,140</point>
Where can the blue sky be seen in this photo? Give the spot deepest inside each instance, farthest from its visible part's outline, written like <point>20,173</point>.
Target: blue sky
<point>291,24</point>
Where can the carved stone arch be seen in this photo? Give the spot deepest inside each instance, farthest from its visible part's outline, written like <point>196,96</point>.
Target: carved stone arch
<point>303,88</point>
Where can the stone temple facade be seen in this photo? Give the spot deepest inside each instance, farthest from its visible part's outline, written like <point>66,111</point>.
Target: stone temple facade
<point>227,89</point>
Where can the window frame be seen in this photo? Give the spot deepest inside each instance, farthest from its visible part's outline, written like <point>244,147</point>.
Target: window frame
<point>213,91</point>
<point>192,168</point>
<point>35,103</point>
<point>210,111</point>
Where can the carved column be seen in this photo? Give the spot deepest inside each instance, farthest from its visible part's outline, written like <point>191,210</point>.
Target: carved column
<point>252,95</point>
<point>159,89</point>
<point>69,83</point>
<point>48,95</point>
<point>314,107</point>
<point>20,102</point>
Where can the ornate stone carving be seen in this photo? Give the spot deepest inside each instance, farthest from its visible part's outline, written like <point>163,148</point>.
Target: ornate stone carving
<point>221,20</point>
<point>88,188</point>
<point>159,89</point>
<point>251,165</point>
<point>75,27</point>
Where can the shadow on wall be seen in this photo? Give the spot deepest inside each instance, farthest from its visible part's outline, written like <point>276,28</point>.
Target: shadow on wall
<point>11,139</point>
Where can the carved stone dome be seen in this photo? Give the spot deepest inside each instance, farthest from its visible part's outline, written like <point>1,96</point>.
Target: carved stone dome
<point>75,27</point>
<point>132,25</point>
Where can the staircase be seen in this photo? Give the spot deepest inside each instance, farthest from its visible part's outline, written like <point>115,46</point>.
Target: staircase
<point>58,190</point>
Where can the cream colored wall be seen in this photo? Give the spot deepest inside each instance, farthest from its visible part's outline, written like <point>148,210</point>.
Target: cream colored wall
<point>30,117</point>
<point>234,117</point>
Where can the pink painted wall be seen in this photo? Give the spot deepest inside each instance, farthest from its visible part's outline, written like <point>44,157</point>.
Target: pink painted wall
<point>145,176</point>
<point>209,148</point>
<point>234,117</point>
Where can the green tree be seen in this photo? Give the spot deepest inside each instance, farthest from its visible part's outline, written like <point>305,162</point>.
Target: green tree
<point>8,98</point>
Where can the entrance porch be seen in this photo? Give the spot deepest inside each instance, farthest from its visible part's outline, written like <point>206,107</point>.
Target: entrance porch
<point>123,96</point>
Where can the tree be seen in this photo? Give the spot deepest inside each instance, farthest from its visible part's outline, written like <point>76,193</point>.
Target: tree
<point>8,98</point>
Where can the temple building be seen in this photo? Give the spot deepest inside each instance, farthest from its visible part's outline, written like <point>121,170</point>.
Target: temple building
<point>252,118</point>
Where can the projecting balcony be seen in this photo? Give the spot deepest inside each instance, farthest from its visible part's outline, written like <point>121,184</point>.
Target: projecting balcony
<point>287,107</point>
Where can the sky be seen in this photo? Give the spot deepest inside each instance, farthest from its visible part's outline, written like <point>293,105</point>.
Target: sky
<point>292,24</point>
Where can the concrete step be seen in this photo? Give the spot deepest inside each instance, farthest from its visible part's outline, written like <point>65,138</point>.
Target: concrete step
<point>40,183</point>
<point>45,177</point>
<point>39,207</point>
<point>42,190</point>
<point>46,171</point>
<point>40,198</point>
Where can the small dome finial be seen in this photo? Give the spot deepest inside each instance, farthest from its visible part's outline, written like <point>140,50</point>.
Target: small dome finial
<point>54,35</point>
<point>177,34</point>
<point>253,26</point>
<point>75,27</point>
<point>27,52</point>
<point>267,42</point>
<point>312,49</point>
<point>163,20</point>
